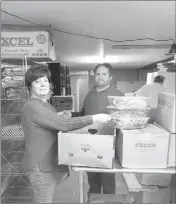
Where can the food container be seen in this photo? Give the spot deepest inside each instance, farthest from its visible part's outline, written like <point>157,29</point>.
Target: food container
<point>132,102</point>
<point>127,123</point>
<point>14,93</point>
<point>118,113</point>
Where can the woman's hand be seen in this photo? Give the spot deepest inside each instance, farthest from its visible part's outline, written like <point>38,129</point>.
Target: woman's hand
<point>101,118</point>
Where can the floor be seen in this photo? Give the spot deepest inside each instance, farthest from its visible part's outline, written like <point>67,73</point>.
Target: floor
<point>67,192</point>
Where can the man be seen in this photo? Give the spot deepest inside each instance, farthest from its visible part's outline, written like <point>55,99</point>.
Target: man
<point>152,90</point>
<point>96,102</point>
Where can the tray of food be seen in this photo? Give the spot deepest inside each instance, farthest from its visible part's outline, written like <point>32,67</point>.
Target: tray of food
<point>129,123</point>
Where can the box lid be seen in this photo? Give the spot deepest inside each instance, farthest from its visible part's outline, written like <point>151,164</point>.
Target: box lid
<point>150,128</point>
<point>167,94</point>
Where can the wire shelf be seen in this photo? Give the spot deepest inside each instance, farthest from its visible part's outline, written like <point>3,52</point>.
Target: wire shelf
<point>12,132</point>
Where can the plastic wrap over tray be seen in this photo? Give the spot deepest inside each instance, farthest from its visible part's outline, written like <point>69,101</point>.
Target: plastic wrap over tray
<point>124,102</point>
<point>118,113</point>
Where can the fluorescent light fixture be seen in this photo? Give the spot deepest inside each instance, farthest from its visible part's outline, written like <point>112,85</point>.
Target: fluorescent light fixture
<point>86,59</point>
<point>97,59</point>
<point>111,59</point>
<point>144,46</point>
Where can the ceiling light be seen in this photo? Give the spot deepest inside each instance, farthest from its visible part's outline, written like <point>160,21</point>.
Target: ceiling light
<point>143,46</point>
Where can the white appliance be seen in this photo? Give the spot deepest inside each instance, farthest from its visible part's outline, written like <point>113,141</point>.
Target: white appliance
<point>150,77</point>
<point>80,86</point>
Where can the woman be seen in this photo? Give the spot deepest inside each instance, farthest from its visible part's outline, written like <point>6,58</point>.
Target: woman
<point>41,123</point>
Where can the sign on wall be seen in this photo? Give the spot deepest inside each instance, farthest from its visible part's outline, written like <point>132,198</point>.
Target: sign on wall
<point>34,44</point>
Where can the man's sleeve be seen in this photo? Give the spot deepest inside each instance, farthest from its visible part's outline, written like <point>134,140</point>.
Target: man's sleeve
<point>39,115</point>
<point>118,92</point>
<point>141,91</point>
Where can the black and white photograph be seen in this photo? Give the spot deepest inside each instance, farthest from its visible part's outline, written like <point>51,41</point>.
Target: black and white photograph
<point>88,91</point>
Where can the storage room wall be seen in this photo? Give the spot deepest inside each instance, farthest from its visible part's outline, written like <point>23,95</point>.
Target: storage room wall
<point>118,75</point>
<point>131,76</point>
<point>129,80</point>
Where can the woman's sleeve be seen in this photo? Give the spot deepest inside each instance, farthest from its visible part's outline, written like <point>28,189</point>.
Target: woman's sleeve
<point>39,115</point>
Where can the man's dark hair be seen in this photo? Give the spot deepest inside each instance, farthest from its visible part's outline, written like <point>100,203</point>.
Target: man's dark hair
<point>107,65</point>
<point>159,79</point>
<point>36,72</point>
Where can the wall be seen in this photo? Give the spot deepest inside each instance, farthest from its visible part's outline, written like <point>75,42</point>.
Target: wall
<point>119,75</point>
<point>129,75</point>
<point>129,80</point>
<point>125,75</point>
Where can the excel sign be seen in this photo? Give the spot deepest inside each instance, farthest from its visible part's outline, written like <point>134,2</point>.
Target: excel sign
<point>34,43</point>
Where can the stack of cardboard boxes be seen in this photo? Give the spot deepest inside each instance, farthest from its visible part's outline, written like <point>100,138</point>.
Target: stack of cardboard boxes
<point>158,188</point>
<point>146,148</point>
<point>166,119</point>
<point>152,147</point>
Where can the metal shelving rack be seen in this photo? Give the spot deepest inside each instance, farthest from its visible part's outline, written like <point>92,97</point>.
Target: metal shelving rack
<point>15,187</point>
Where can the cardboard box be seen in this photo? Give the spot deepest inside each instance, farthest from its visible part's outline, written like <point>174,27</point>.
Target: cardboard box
<point>173,189</point>
<point>162,196</point>
<point>142,148</point>
<point>111,198</point>
<point>154,179</point>
<point>171,154</point>
<point>165,114</point>
<point>80,148</point>
<point>173,195</point>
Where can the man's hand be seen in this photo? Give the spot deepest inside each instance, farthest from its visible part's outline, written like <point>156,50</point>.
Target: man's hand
<point>67,113</point>
<point>101,118</point>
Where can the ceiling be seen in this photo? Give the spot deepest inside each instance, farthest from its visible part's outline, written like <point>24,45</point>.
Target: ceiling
<point>116,20</point>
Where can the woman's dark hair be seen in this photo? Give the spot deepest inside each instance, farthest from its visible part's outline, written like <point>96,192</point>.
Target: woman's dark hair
<point>36,72</point>
<point>159,79</point>
<point>107,65</point>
